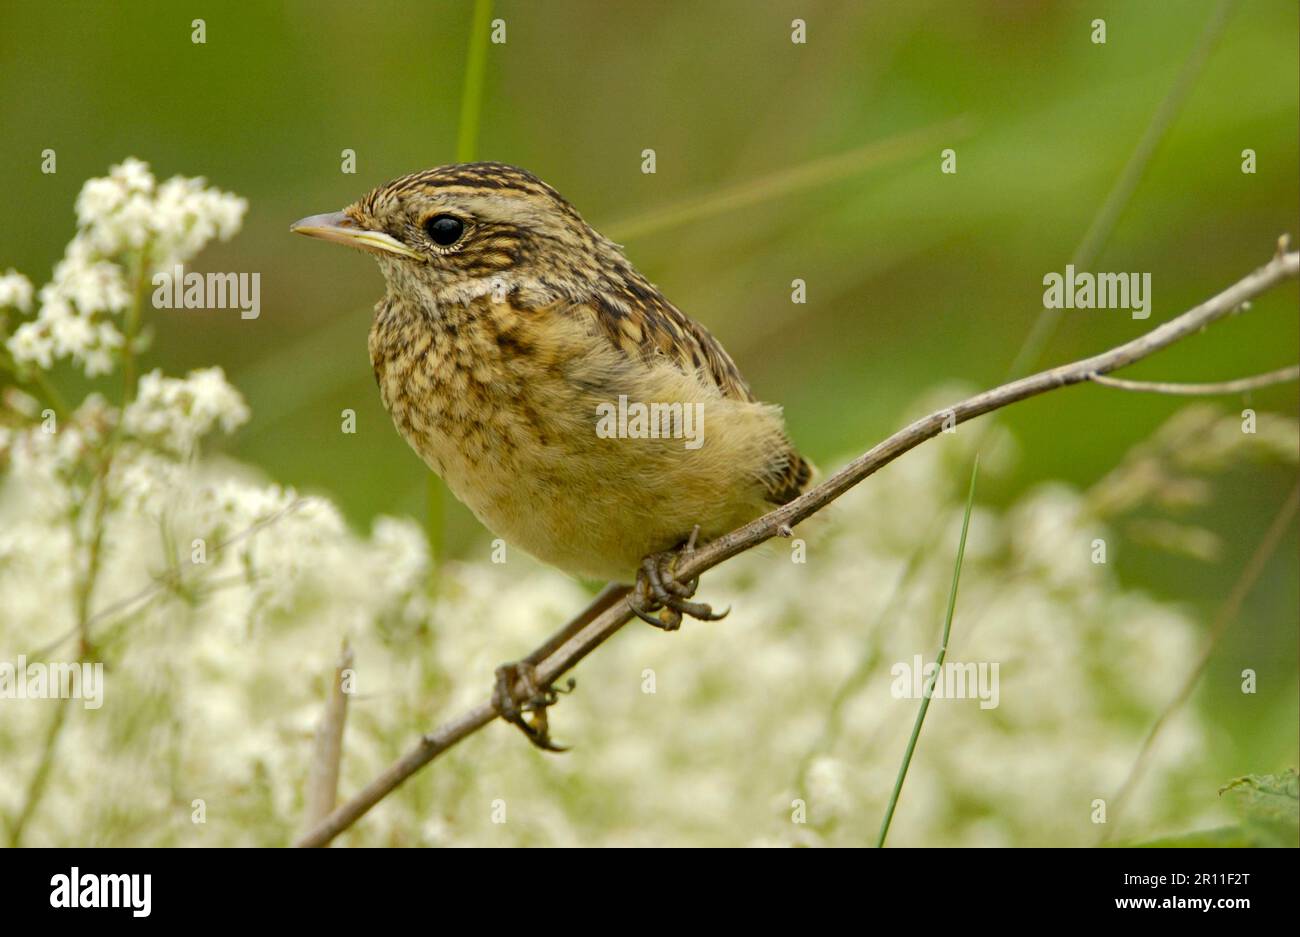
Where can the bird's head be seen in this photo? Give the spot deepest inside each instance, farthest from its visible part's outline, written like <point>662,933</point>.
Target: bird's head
<point>469,229</point>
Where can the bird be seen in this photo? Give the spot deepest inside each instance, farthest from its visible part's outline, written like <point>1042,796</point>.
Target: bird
<point>581,416</point>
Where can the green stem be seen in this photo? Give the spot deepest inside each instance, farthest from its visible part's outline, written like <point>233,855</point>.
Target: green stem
<point>471,102</point>
<point>40,777</point>
<point>133,326</point>
<point>52,395</point>
<point>938,664</point>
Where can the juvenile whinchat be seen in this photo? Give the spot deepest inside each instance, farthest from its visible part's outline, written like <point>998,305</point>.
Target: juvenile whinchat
<point>509,330</point>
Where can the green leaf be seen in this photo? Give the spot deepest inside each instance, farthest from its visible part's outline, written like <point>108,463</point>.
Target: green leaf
<point>1269,805</point>
<point>1267,798</point>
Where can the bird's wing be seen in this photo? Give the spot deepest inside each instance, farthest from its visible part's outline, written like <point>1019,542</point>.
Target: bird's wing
<point>654,328</point>
<point>790,475</point>
<point>642,323</point>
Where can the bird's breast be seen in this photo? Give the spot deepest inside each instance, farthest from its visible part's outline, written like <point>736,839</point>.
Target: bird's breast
<point>485,394</point>
<point>504,404</point>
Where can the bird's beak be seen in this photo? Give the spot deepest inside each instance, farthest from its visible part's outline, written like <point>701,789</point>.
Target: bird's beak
<point>338,227</point>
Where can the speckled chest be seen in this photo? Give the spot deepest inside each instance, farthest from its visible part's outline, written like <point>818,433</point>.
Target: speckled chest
<point>477,390</point>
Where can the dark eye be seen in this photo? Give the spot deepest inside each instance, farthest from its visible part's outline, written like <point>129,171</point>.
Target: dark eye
<point>444,230</point>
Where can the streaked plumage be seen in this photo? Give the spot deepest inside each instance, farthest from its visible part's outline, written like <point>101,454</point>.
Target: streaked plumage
<point>493,353</point>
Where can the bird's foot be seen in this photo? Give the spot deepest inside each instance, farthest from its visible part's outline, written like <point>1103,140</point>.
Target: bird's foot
<point>660,599</point>
<point>534,701</point>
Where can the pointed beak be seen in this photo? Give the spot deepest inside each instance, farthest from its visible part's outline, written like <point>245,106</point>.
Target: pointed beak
<point>339,228</point>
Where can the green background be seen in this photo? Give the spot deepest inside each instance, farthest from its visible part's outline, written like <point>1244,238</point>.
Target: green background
<point>914,278</point>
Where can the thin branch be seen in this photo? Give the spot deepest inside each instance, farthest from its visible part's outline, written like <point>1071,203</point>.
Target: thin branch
<point>576,648</point>
<point>1280,376</point>
<point>323,781</point>
<point>807,504</point>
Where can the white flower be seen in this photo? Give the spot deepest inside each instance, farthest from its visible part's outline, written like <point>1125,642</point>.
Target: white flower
<point>99,199</point>
<point>827,788</point>
<point>147,483</point>
<point>55,305</point>
<point>187,215</point>
<point>31,344</point>
<point>97,361</point>
<point>15,291</point>
<point>72,334</point>
<point>133,175</point>
<point>119,216</point>
<point>175,414</point>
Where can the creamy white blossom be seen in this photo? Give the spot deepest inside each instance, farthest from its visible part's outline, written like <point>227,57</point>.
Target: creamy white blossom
<point>709,736</point>
<point>15,291</point>
<point>32,344</point>
<point>128,228</point>
<point>176,413</point>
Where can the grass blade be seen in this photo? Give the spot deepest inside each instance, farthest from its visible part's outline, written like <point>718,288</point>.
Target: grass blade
<point>471,101</point>
<point>943,650</point>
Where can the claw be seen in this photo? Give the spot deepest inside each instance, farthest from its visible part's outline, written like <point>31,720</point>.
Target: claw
<point>534,700</point>
<point>660,599</point>
<point>646,617</point>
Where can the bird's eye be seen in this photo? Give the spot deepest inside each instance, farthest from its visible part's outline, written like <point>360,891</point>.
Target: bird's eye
<point>444,230</point>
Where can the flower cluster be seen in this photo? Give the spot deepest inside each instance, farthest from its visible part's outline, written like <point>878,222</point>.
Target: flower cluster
<point>127,211</point>
<point>129,226</point>
<point>175,414</point>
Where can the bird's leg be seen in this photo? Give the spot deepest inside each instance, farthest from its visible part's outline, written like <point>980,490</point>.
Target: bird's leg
<point>660,599</point>
<point>536,699</point>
